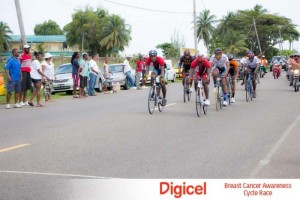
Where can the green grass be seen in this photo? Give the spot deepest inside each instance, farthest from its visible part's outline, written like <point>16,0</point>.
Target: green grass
<point>12,100</point>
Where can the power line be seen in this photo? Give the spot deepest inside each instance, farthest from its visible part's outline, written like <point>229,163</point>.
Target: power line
<point>203,4</point>
<point>147,9</point>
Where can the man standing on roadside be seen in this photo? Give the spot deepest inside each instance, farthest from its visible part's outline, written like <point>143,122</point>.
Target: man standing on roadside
<point>14,77</point>
<point>83,73</point>
<point>25,60</point>
<point>94,70</point>
<point>127,72</point>
<point>139,68</point>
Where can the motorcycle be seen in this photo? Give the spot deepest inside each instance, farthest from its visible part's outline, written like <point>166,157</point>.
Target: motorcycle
<point>296,82</point>
<point>276,70</point>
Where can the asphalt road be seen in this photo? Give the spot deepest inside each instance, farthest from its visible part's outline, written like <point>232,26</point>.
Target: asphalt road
<point>115,136</point>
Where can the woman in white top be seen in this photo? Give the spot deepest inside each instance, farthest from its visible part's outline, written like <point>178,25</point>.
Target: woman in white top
<point>36,78</point>
<point>48,70</point>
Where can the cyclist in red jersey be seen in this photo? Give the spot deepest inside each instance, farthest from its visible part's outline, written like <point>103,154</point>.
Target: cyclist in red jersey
<point>157,65</point>
<point>200,67</point>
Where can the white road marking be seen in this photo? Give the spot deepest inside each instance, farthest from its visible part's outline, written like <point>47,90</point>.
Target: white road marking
<point>265,161</point>
<point>52,174</point>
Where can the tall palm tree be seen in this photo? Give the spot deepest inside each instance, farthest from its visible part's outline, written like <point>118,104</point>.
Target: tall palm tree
<point>4,35</point>
<point>205,28</point>
<point>233,42</point>
<point>115,33</point>
<point>225,22</point>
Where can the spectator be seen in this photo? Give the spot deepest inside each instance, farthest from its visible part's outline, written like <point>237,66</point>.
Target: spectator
<point>75,73</point>
<point>106,75</point>
<point>83,75</point>
<point>48,70</point>
<point>127,72</point>
<point>25,60</point>
<point>14,76</point>
<point>139,68</point>
<point>94,71</point>
<point>144,73</point>
<point>36,77</point>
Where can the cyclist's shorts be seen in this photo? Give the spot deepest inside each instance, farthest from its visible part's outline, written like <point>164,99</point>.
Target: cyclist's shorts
<point>158,71</point>
<point>232,72</point>
<point>222,70</point>
<point>202,76</point>
<point>186,68</point>
<point>251,69</point>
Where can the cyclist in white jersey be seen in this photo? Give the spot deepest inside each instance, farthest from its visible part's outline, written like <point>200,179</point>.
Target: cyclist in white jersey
<point>220,65</point>
<point>252,65</point>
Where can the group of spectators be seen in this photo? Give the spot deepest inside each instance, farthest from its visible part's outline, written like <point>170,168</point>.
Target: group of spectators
<point>22,72</point>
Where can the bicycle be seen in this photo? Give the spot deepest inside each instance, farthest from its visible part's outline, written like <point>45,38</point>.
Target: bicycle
<point>219,94</point>
<point>249,86</point>
<point>200,97</point>
<point>154,99</point>
<point>186,88</point>
<point>229,86</point>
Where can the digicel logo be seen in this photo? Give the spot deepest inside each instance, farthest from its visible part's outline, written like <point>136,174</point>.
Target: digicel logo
<point>183,189</point>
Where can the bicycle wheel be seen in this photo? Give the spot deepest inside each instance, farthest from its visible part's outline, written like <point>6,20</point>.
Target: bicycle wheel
<point>184,90</point>
<point>229,88</point>
<point>198,103</point>
<point>160,106</point>
<point>152,100</point>
<point>251,92</point>
<point>217,97</point>
<point>220,97</point>
<point>189,94</point>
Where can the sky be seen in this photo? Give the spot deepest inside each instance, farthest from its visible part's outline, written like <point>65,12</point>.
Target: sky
<point>149,28</point>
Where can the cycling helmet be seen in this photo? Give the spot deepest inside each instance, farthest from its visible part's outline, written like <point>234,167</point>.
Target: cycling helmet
<point>251,55</point>
<point>230,56</point>
<point>263,56</point>
<point>218,51</point>
<point>247,52</point>
<point>291,56</point>
<point>200,57</point>
<point>152,53</point>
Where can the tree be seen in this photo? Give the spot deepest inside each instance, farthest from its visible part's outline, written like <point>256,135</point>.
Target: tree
<point>115,34</point>
<point>87,29</point>
<point>240,23</point>
<point>205,28</point>
<point>4,36</point>
<point>169,50</point>
<point>48,28</point>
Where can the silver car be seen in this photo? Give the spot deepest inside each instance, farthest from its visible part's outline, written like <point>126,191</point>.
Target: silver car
<point>116,75</point>
<point>63,81</point>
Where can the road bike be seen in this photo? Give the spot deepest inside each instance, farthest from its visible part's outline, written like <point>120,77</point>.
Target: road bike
<point>200,97</point>
<point>154,98</point>
<point>229,86</point>
<point>186,88</point>
<point>249,87</point>
<point>219,94</point>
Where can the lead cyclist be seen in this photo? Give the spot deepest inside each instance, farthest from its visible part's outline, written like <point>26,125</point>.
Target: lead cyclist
<point>158,64</point>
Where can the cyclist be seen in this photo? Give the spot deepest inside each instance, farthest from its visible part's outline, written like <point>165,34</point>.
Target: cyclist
<point>158,68</point>
<point>233,71</point>
<point>185,61</point>
<point>252,65</point>
<point>221,66</point>
<point>243,61</point>
<point>200,67</point>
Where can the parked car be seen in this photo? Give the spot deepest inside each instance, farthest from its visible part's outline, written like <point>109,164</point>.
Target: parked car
<point>169,74</point>
<point>63,81</point>
<point>116,74</point>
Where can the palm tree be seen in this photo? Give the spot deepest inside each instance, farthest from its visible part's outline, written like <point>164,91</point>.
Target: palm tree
<point>115,34</point>
<point>205,28</point>
<point>226,22</point>
<point>233,42</point>
<point>4,37</point>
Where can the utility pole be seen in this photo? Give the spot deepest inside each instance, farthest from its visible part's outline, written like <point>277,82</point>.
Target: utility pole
<point>257,36</point>
<point>21,24</point>
<point>280,44</point>
<point>195,28</point>
<point>82,40</point>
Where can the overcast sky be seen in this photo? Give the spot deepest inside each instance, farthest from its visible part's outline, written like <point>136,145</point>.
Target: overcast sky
<point>148,28</point>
